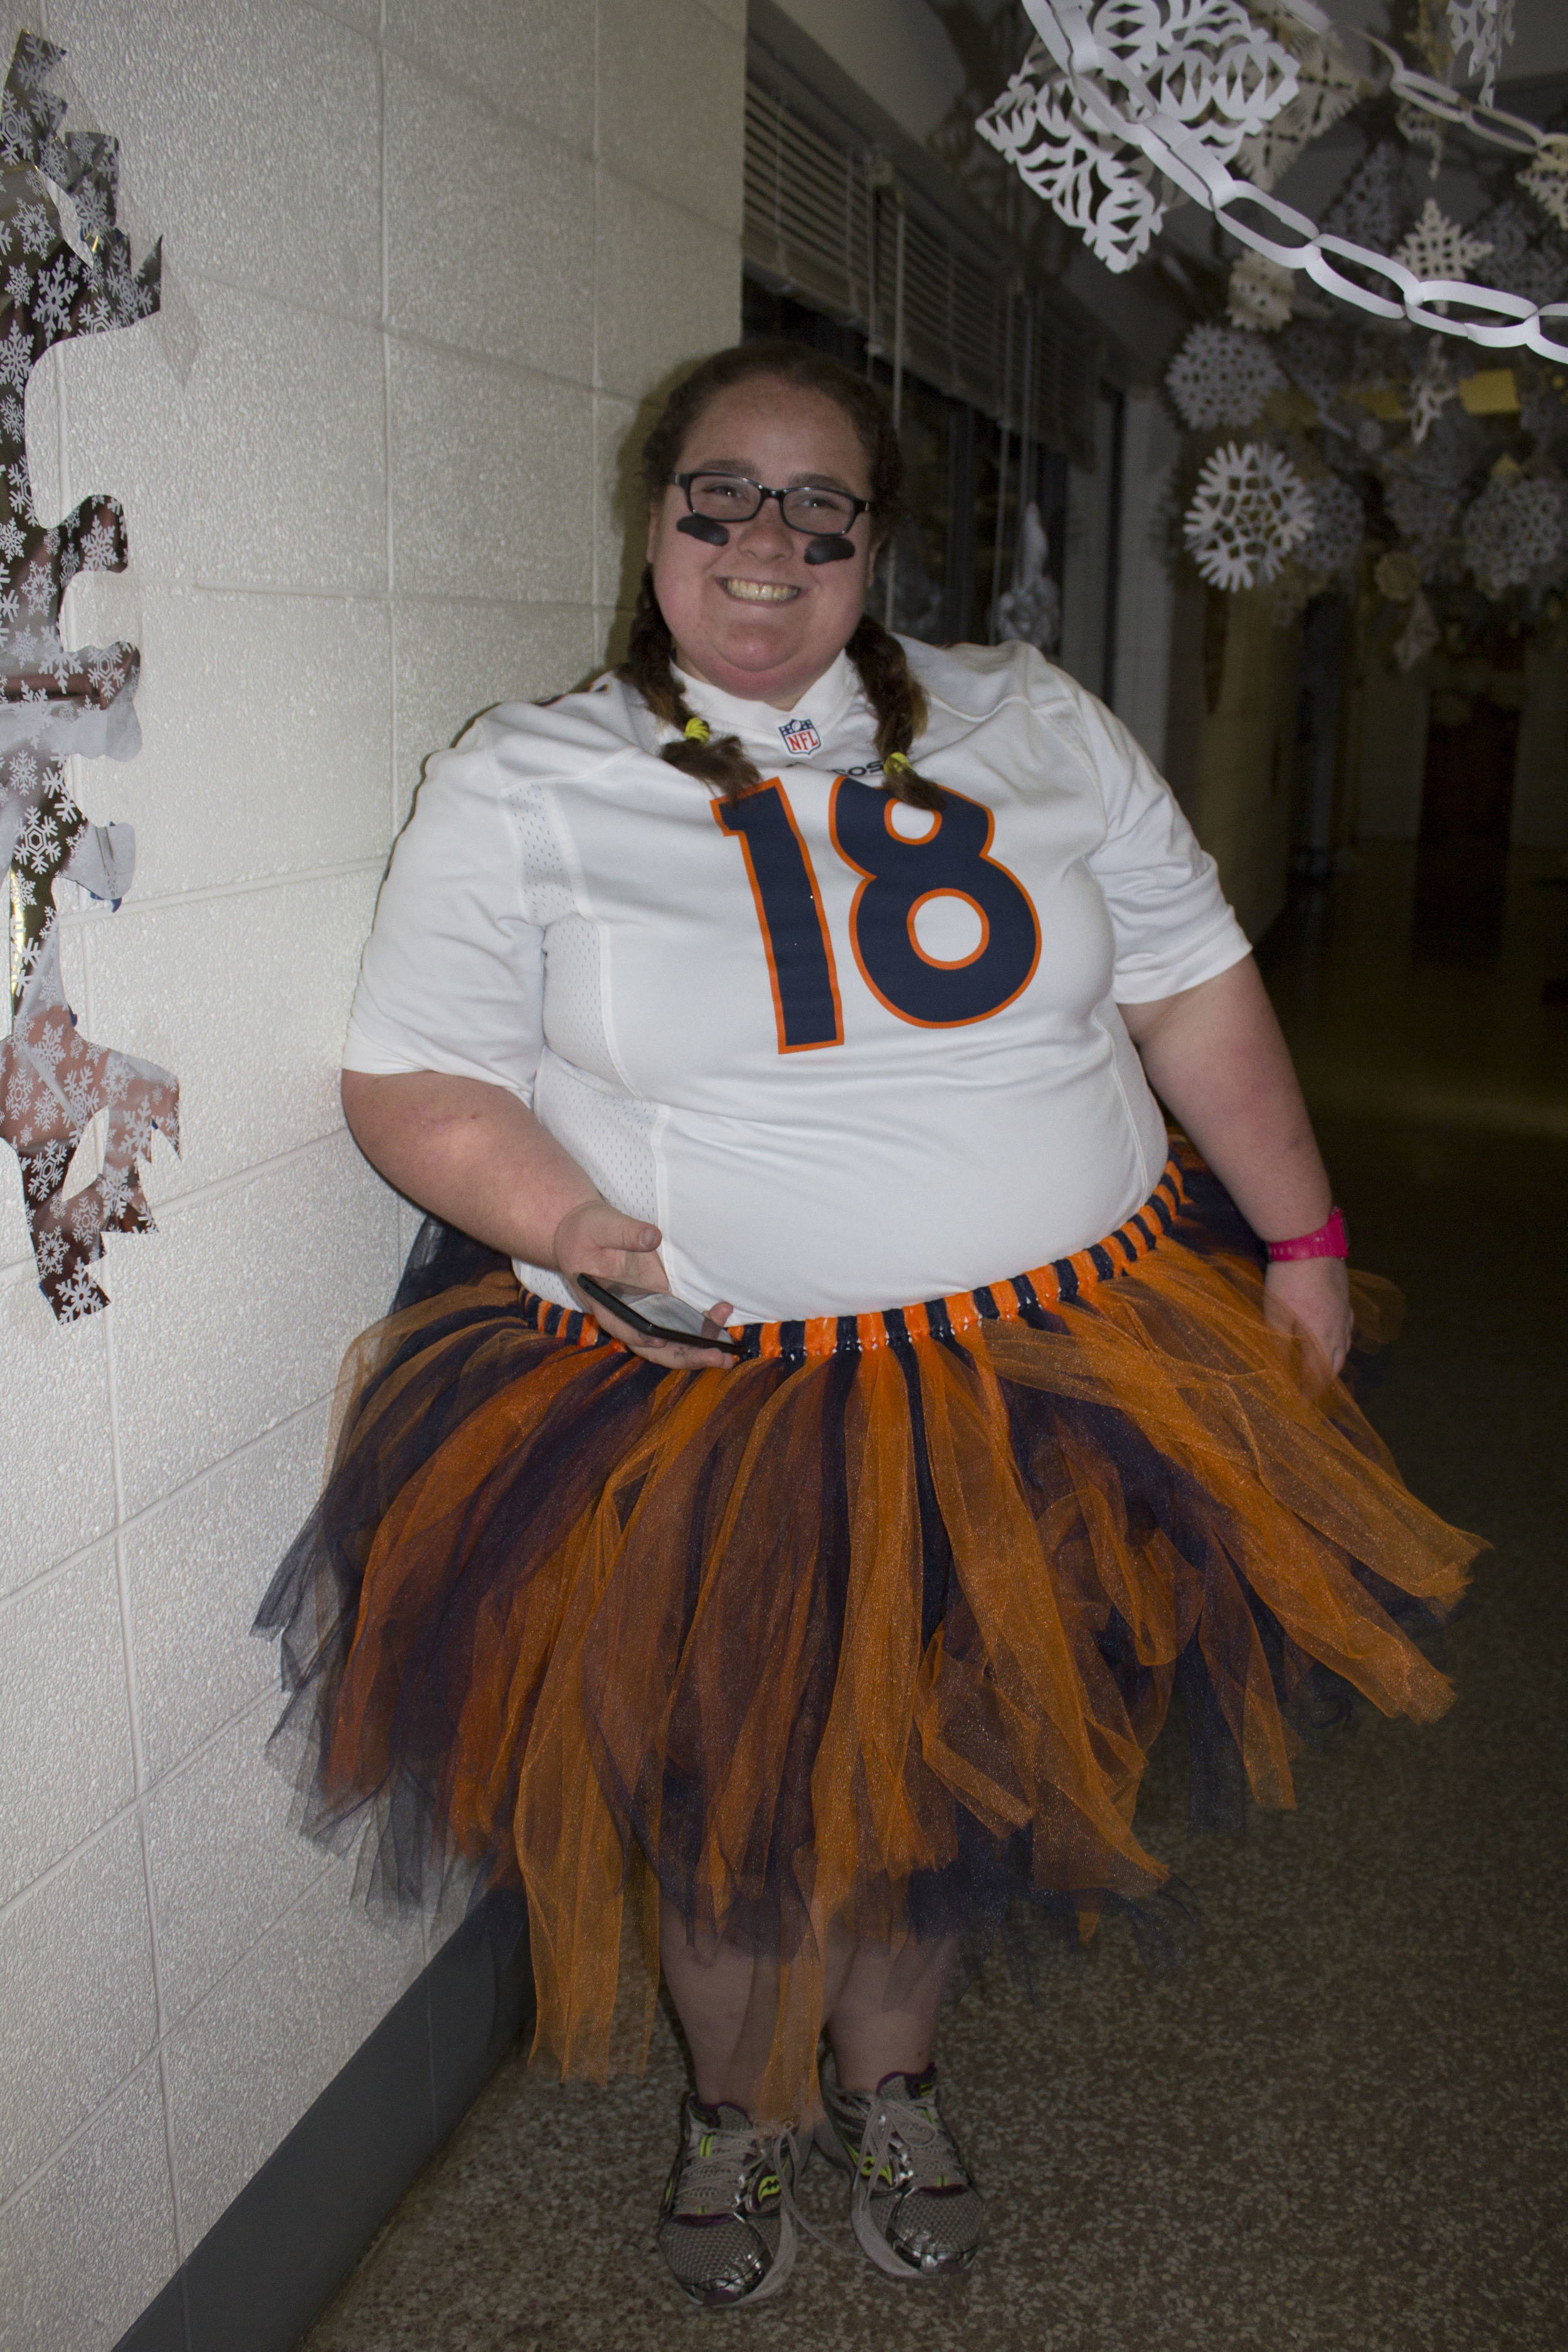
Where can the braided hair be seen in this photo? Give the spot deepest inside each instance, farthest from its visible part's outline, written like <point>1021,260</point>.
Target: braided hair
<point>890,685</point>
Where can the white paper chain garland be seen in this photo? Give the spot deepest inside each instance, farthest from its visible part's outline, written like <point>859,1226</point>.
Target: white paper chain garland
<point>1126,90</point>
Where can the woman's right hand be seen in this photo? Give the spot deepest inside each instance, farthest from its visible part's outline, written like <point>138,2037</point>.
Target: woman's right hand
<point>593,1238</point>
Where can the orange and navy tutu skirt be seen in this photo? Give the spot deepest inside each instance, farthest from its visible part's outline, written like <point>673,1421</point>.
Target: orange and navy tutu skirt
<point>872,1632</point>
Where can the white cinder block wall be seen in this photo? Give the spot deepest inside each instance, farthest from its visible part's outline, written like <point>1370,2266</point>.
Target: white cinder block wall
<point>426,257</point>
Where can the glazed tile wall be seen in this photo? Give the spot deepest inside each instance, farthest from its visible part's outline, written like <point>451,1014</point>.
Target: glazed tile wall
<point>427,262</point>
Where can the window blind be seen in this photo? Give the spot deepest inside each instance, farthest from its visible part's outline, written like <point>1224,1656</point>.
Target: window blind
<point>822,224</point>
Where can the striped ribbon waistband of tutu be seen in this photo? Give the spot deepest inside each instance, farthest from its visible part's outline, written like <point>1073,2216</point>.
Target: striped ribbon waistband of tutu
<point>1017,1299</point>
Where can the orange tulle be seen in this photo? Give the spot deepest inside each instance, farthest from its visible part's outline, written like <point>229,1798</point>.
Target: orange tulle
<point>853,1640</point>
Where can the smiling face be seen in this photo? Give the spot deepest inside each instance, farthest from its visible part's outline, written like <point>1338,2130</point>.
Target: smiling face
<point>753,618</point>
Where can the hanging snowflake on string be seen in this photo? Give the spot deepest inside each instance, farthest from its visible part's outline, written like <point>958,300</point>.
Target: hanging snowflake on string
<point>1203,61</point>
<point>1260,294</point>
<point>1513,528</point>
<point>1438,247</point>
<point>1338,524</point>
<point>1252,507</point>
<point>1432,387</point>
<point>1373,205</point>
<point>1029,612</point>
<point>1220,377</point>
<point>1485,27</point>
<point>1419,635</point>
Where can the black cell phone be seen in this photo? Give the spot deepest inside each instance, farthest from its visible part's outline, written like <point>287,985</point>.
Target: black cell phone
<point>685,1323</point>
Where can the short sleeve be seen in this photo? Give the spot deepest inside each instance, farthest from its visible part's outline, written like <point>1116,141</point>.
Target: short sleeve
<point>452,973</point>
<point>1173,924</point>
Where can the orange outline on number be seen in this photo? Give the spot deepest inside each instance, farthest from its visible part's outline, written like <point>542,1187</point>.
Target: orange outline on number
<point>817,1045</point>
<point>948,963</point>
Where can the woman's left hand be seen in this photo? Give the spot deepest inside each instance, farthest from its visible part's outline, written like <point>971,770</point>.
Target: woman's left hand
<point>1312,1295</point>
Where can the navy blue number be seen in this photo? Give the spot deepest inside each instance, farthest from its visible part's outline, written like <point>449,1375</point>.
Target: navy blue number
<point>899,875</point>
<point>789,909</point>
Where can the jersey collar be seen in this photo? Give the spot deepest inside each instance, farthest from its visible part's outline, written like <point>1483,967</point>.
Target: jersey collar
<point>796,734</point>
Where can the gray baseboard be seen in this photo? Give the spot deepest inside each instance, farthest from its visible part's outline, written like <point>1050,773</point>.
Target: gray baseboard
<point>292,2235</point>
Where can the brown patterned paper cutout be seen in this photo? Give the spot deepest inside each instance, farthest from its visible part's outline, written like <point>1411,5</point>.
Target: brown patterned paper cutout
<point>53,1080</point>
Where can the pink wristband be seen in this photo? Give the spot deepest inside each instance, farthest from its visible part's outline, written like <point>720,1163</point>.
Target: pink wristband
<point>1330,1240</point>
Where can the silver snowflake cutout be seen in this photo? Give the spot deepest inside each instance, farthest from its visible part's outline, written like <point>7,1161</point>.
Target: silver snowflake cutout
<point>1252,507</point>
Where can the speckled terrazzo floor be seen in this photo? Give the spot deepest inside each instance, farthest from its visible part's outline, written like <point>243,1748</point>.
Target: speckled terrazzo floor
<point>1341,2127</point>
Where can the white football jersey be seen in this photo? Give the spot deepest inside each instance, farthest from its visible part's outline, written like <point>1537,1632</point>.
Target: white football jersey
<point>845,1053</point>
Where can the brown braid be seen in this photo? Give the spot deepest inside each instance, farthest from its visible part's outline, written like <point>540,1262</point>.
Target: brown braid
<point>890,686</point>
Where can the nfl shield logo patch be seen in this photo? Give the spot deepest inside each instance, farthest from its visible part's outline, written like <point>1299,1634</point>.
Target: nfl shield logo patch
<point>800,737</point>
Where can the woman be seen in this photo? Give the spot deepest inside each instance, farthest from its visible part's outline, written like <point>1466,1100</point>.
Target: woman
<point>807,976</point>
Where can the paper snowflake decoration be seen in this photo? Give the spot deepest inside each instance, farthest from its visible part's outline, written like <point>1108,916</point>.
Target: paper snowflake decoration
<point>1220,377</point>
<point>1091,179</point>
<point>1338,524</point>
<point>1432,387</point>
<point>1424,512</point>
<point>1261,294</point>
<point>1513,528</point>
<point>1547,179</point>
<point>1030,611</point>
<point>1317,359</point>
<point>1252,507</point>
<point>1204,62</point>
<point>1419,635</point>
<point>1123,104</point>
<point>1485,27</point>
<point>1373,205</point>
<point>1438,247</point>
<point>1327,89</point>
<point>1522,261</point>
<point>1457,447</point>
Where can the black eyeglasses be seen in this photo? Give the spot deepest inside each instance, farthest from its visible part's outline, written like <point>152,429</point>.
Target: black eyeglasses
<point>731,497</point>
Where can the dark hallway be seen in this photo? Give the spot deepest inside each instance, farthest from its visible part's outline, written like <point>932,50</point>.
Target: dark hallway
<point>1341,2125</point>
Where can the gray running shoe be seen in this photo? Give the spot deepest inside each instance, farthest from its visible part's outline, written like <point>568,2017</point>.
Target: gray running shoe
<point>914,2208</point>
<point>726,2227</point>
